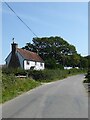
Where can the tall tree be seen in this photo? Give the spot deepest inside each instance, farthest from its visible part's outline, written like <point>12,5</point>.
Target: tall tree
<point>54,49</point>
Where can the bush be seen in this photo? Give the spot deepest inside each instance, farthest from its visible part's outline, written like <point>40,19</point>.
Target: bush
<point>20,71</point>
<point>87,76</point>
<point>16,71</point>
<point>47,75</point>
<point>75,71</point>
<point>6,70</point>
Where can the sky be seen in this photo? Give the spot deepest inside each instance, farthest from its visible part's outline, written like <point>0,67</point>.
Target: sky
<point>68,20</point>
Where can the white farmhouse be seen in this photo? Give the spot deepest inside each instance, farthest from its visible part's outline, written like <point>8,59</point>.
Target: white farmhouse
<point>20,58</point>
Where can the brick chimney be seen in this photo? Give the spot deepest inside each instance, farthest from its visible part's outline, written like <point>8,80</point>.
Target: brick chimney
<point>14,61</point>
<point>14,46</point>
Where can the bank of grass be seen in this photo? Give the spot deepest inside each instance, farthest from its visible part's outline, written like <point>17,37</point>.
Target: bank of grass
<point>13,86</point>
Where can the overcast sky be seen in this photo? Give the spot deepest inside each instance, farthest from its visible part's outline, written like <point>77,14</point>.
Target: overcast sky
<point>66,19</point>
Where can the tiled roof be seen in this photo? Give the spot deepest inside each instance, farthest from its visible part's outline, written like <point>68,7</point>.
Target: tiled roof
<point>28,55</point>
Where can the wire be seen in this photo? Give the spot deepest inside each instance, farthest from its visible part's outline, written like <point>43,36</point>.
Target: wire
<point>20,18</point>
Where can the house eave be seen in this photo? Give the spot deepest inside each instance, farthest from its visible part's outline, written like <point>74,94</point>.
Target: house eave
<point>7,56</point>
<point>34,60</point>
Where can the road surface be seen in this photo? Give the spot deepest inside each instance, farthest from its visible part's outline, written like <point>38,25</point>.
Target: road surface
<point>61,99</point>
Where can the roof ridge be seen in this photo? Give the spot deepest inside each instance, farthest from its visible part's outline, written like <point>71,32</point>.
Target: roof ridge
<point>27,50</point>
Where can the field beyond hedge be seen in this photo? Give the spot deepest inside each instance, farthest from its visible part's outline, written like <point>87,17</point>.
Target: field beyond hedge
<point>13,86</point>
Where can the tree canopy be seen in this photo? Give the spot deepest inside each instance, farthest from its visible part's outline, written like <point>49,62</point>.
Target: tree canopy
<point>56,52</point>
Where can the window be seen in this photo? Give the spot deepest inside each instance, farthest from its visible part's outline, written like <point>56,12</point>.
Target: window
<point>27,62</point>
<point>35,63</point>
<point>41,64</point>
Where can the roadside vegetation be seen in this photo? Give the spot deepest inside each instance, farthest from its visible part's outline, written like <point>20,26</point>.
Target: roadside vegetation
<point>50,75</point>
<point>86,82</point>
<point>87,77</point>
<point>13,86</point>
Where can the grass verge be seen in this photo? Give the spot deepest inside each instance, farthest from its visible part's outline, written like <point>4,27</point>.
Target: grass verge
<point>12,86</point>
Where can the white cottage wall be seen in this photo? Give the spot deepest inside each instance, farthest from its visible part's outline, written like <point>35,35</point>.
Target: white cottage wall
<point>39,66</point>
<point>43,66</point>
<point>36,65</point>
<point>28,64</point>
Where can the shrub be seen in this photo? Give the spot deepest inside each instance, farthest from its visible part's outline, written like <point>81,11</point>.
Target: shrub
<point>87,76</point>
<point>6,70</point>
<point>75,71</point>
<point>47,75</point>
<point>16,71</point>
<point>20,71</point>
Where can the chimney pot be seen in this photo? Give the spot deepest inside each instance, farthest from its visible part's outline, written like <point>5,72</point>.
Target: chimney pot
<point>14,47</point>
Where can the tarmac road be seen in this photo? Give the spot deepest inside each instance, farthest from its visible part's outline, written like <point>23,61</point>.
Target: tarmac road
<point>61,99</point>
